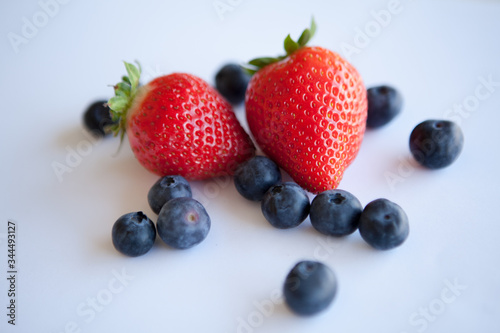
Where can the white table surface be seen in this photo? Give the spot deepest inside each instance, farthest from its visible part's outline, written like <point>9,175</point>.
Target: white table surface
<point>445,278</point>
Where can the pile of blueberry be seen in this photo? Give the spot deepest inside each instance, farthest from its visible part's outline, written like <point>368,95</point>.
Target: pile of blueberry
<point>310,286</point>
<point>382,223</point>
<point>182,221</point>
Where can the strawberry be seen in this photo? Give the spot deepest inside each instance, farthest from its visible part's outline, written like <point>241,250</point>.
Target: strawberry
<point>307,111</point>
<point>178,125</point>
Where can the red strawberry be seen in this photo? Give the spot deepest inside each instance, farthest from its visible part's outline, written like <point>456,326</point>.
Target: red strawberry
<point>178,125</point>
<point>307,111</point>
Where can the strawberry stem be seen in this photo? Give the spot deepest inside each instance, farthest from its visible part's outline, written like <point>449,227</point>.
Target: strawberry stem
<point>125,92</point>
<point>290,47</point>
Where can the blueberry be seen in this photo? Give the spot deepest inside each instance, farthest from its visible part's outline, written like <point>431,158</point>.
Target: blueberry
<point>167,188</point>
<point>254,177</point>
<point>97,118</point>
<point>232,81</point>
<point>383,224</point>
<point>335,213</point>
<point>285,205</point>
<point>133,234</point>
<point>436,144</point>
<point>384,103</point>
<point>310,287</point>
<point>183,223</point>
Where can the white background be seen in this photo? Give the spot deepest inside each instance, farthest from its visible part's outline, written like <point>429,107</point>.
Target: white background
<point>435,52</point>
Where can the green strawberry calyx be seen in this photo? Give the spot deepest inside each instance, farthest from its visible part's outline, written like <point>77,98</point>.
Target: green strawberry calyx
<point>125,92</point>
<point>290,47</point>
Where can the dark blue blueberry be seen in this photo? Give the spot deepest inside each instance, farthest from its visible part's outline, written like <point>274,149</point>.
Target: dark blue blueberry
<point>232,81</point>
<point>335,213</point>
<point>133,234</point>
<point>383,224</point>
<point>436,144</point>
<point>254,177</point>
<point>310,287</point>
<point>97,118</point>
<point>167,188</point>
<point>183,223</point>
<point>384,103</point>
<point>285,205</point>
